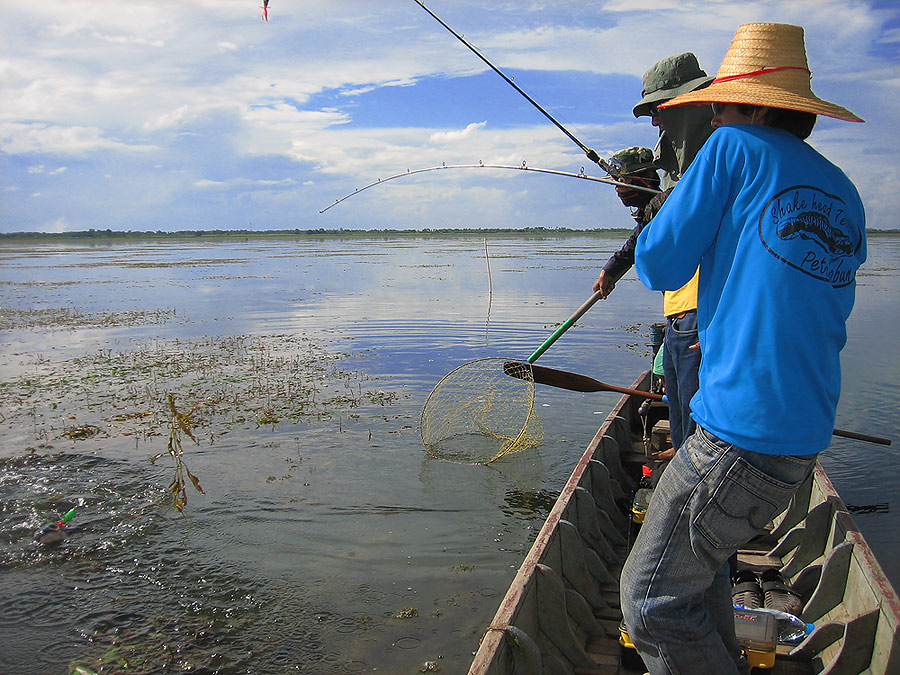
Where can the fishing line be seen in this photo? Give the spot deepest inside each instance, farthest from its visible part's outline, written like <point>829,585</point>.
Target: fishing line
<point>591,154</point>
<point>484,409</point>
<point>482,165</point>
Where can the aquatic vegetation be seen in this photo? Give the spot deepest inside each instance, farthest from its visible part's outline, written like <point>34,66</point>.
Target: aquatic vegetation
<point>12,318</point>
<point>179,425</point>
<point>183,644</point>
<point>224,381</point>
<point>81,432</point>
<point>219,383</point>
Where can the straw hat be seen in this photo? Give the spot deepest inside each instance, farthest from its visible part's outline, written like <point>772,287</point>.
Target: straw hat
<point>766,65</point>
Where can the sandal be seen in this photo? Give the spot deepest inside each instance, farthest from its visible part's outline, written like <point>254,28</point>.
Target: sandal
<point>777,594</point>
<point>746,591</point>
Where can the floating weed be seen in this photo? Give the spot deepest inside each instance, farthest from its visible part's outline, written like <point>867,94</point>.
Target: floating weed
<point>382,397</point>
<point>70,318</point>
<point>407,613</point>
<point>218,382</point>
<point>173,644</point>
<point>268,417</point>
<point>81,432</point>
<point>230,381</point>
<point>199,262</point>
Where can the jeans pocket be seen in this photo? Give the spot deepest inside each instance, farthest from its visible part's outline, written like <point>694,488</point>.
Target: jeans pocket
<point>686,324</point>
<point>747,498</point>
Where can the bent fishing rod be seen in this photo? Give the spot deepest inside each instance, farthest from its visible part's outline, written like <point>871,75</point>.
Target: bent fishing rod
<point>591,154</point>
<point>482,165</point>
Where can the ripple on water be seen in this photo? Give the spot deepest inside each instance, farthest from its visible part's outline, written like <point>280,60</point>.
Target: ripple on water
<point>115,501</point>
<point>407,642</point>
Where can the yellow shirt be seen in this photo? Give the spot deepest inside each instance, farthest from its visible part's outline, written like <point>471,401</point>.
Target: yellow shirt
<point>685,298</point>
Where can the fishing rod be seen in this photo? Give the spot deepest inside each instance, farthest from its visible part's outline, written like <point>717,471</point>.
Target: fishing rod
<point>482,165</point>
<point>591,154</point>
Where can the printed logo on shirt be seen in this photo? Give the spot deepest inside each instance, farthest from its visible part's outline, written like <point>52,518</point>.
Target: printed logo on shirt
<point>808,229</point>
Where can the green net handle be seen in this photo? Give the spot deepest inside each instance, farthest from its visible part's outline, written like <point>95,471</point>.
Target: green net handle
<point>566,325</point>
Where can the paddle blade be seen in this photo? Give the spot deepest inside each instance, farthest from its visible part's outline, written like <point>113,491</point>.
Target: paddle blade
<point>562,379</point>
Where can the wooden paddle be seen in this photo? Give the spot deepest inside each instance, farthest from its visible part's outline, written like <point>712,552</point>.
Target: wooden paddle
<point>571,381</point>
<point>562,379</point>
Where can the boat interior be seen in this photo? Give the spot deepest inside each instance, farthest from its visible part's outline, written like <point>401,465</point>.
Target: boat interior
<point>562,614</point>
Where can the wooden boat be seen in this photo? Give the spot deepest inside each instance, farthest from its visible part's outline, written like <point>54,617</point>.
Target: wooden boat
<point>561,614</point>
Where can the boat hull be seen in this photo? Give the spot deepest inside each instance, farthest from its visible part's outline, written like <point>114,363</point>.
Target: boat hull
<point>561,613</point>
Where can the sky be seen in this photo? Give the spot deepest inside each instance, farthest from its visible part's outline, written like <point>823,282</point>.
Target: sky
<point>196,114</point>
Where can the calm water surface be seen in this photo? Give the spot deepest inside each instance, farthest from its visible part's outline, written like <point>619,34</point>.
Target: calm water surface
<point>329,542</point>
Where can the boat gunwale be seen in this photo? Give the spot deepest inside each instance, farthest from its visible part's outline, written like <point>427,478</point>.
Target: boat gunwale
<point>509,606</point>
<point>862,552</point>
<point>843,525</point>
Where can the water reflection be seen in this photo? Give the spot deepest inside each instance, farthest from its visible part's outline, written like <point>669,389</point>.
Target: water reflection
<point>529,503</point>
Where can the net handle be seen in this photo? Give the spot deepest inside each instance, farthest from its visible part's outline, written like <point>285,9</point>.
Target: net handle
<point>566,325</point>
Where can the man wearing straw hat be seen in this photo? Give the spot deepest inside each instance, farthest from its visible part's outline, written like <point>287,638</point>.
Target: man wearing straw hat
<point>778,232</point>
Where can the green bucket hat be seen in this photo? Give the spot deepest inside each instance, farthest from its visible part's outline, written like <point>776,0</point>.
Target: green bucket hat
<point>669,78</point>
<point>631,160</point>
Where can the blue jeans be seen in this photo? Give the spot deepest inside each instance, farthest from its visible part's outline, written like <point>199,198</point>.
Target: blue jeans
<point>681,367</point>
<point>675,589</point>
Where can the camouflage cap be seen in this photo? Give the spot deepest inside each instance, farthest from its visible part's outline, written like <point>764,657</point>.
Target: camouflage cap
<point>631,160</point>
<point>669,78</point>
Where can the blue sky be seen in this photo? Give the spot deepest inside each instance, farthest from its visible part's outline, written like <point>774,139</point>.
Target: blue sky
<point>196,114</point>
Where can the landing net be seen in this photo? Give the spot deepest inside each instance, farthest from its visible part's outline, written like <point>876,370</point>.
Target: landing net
<point>482,411</point>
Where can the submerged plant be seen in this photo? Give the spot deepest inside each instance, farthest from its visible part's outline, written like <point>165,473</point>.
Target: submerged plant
<point>179,425</point>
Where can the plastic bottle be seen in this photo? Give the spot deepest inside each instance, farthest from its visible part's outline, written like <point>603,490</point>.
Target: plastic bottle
<point>646,477</point>
<point>791,629</point>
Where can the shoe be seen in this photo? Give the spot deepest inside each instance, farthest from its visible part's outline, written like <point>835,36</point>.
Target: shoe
<point>777,593</point>
<point>746,591</point>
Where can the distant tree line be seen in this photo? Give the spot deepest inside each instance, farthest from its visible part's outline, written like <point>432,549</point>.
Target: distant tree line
<point>318,232</point>
<point>339,232</point>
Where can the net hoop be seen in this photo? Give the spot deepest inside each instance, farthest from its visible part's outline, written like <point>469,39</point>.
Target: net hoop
<point>481,411</point>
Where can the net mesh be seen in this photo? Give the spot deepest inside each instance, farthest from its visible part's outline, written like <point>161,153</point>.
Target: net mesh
<point>482,411</point>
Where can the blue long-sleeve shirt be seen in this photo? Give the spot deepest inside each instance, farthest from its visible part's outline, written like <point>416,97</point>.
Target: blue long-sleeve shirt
<point>778,232</point>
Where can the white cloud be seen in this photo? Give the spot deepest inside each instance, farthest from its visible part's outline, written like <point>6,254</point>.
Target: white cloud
<point>242,182</point>
<point>204,183</point>
<point>458,135</point>
<point>127,39</point>
<point>301,93</point>
<point>40,169</point>
<point>24,138</point>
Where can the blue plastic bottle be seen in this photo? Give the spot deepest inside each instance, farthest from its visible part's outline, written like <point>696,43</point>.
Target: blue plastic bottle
<point>791,629</point>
